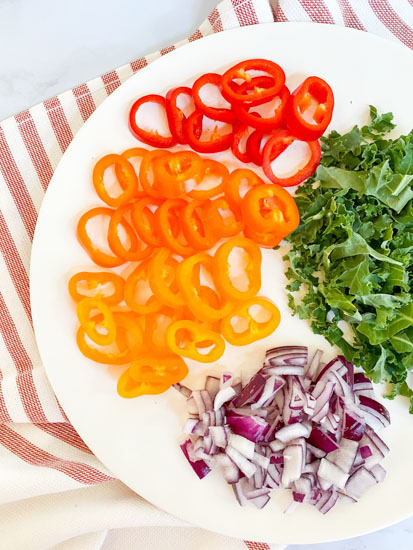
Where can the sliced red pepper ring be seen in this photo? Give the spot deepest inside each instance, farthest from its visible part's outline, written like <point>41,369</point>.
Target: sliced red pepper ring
<point>240,72</point>
<point>264,240</point>
<point>173,170</point>
<point>138,294</point>
<point>147,175</point>
<point>218,140</point>
<point>224,114</point>
<point>169,230</point>
<point>188,276</point>
<point>261,316</point>
<point>96,282</point>
<point>130,154</point>
<point>157,324</point>
<point>129,339</point>
<point>253,147</point>
<point>138,250</point>
<point>233,184</point>
<point>240,133</point>
<point>264,124</point>
<point>128,180</point>
<point>88,306</point>
<point>98,256</point>
<point>254,86</point>
<point>151,137</point>
<point>143,220</point>
<point>195,228</point>
<point>158,369</point>
<point>251,268</point>
<point>176,116</point>
<point>313,89</point>
<point>222,219</point>
<point>188,338</point>
<point>270,209</point>
<point>211,169</point>
<point>129,388</point>
<point>162,275</point>
<point>276,145</point>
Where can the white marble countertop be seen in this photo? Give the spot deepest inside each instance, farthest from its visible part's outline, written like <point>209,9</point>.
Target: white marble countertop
<point>41,57</point>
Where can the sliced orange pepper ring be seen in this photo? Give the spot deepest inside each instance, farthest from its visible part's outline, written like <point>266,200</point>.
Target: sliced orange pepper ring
<point>252,269</point>
<point>264,240</point>
<point>97,255</point>
<point>138,293</point>
<point>128,180</point>
<point>236,181</point>
<point>187,338</point>
<point>90,324</point>
<point>252,327</point>
<point>96,281</point>
<point>222,219</point>
<point>166,223</point>
<point>143,220</point>
<point>211,169</point>
<point>147,175</point>
<point>162,276</point>
<point>138,249</point>
<point>173,170</point>
<point>133,153</point>
<point>188,276</point>
<point>195,228</point>
<point>270,209</point>
<point>159,370</point>
<point>129,388</point>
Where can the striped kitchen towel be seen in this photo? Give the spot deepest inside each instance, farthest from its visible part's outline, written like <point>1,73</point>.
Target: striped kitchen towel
<point>40,452</point>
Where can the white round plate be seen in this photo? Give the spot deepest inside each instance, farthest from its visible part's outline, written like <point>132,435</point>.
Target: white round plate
<point>138,440</point>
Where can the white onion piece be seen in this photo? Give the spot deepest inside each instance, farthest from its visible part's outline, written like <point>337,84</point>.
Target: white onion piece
<point>345,455</point>
<point>242,444</point>
<point>277,446</point>
<point>190,425</point>
<point>359,482</point>
<point>288,433</point>
<point>260,460</point>
<point>332,473</point>
<point>219,436</point>
<point>223,396</point>
<point>246,467</point>
<point>293,464</point>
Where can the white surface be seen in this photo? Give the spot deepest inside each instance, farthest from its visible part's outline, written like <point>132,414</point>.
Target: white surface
<point>87,391</point>
<point>49,46</point>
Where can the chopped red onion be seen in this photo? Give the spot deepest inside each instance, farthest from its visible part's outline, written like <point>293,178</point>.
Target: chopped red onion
<point>365,451</point>
<point>251,427</point>
<point>199,466</point>
<point>297,424</point>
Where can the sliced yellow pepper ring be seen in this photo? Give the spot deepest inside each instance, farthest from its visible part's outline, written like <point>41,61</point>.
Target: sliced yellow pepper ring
<point>222,269</point>
<point>129,388</point>
<point>187,338</point>
<point>154,369</point>
<point>188,273</point>
<point>255,329</point>
<point>128,344</point>
<point>95,281</point>
<point>90,324</point>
